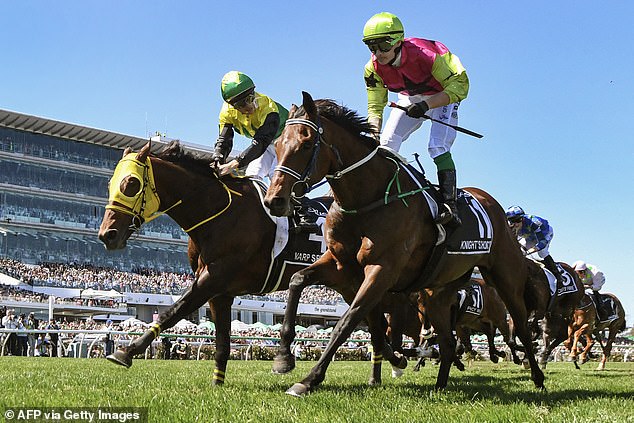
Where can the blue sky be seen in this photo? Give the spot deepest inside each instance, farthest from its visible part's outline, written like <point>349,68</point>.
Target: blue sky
<point>551,89</point>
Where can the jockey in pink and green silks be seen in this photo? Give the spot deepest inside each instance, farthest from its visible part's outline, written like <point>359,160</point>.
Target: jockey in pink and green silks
<point>430,81</point>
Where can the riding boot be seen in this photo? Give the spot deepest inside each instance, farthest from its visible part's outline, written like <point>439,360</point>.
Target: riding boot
<point>307,219</point>
<point>448,212</point>
<point>599,304</point>
<point>550,265</point>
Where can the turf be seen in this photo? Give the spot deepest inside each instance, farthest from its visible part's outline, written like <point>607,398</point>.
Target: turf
<point>181,391</point>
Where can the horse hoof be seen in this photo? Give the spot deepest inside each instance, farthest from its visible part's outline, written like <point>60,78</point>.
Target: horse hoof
<point>120,358</point>
<point>396,372</point>
<point>402,364</point>
<point>374,382</point>
<point>494,358</point>
<point>281,365</point>
<point>297,390</point>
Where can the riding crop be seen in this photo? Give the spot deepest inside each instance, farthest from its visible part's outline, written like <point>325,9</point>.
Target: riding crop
<point>457,128</point>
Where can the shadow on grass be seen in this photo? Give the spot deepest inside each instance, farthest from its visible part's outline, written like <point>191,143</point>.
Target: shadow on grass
<point>510,389</point>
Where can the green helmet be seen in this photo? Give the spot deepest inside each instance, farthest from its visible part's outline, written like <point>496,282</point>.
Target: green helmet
<point>383,26</point>
<point>235,85</point>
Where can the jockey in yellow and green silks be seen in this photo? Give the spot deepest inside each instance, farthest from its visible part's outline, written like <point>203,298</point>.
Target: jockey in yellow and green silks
<point>254,116</point>
<point>430,81</point>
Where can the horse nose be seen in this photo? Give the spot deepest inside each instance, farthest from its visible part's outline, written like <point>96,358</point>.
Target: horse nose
<point>278,206</point>
<point>108,237</point>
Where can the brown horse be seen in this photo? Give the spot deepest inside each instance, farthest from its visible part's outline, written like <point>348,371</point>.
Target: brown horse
<point>484,313</point>
<point>380,232</point>
<point>586,323</point>
<point>231,239</point>
<point>551,325</point>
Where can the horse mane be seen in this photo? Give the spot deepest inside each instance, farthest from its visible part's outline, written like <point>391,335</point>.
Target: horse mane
<point>344,117</point>
<point>174,153</point>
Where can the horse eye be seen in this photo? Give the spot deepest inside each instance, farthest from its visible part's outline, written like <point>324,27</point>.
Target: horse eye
<point>307,145</point>
<point>130,186</point>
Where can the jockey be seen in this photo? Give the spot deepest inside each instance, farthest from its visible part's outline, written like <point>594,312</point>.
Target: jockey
<point>258,117</point>
<point>592,279</point>
<point>430,81</point>
<point>534,235</point>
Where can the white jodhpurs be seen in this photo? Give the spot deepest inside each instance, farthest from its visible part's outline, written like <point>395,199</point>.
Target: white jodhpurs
<point>399,126</point>
<point>264,165</point>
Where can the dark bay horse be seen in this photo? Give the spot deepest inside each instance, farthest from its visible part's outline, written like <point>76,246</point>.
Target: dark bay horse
<point>231,239</point>
<point>551,325</point>
<point>585,323</point>
<point>380,232</point>
<point>484,313</point>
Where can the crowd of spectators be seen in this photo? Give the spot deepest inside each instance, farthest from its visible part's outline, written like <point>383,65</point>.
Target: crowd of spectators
<point>145,280</point>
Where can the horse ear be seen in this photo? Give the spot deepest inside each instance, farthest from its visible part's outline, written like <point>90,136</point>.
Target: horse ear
<point>309,104</point>
<point>144,152</point>
<point>293,109</point>
<point>127,151</point>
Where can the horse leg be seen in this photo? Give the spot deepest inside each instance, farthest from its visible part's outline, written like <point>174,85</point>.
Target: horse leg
<point>517,308</point>
<point>324,269</point>
<point>589,343</point>
<point>193,299</point>
<point>607,349</point>
<point>376,283</point>
<point>554,330</point>
<point>441,320</point>
<point>494,354</point>
<point>221,315</point>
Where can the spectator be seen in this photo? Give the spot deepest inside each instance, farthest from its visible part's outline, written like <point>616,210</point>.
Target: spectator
<point>22,346</point>
<point>9,322</point>
<point>54,337</point>
<point>31,324</point>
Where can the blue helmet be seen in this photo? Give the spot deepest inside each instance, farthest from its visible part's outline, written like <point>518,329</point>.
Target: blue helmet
<point>514,214</point>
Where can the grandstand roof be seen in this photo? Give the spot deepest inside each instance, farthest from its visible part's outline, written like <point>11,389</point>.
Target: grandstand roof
<point>80,133</point>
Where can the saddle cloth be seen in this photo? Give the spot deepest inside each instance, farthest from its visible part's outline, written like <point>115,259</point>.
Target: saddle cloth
<point>609,306</point>
<point>290,248</point>
<point>567,286</point>
<point>475,234</point>
<point>470,299</point>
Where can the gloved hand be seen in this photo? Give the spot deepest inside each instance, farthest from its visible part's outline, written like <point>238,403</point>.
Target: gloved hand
<point>531,251</point>
<point>216,160</point>
<point>417,110</point>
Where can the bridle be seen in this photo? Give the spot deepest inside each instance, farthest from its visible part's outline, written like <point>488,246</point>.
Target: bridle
<point>304,177</point>
<point>137,206</point>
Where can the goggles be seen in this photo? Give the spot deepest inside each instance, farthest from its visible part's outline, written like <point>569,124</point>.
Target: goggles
<point>383,46</point>
<point>243,102</point>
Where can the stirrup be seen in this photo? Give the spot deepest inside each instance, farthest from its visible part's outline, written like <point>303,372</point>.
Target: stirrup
<point>447,217</point>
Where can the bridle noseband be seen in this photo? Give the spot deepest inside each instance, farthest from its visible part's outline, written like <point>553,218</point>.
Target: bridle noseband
<point>304,177</point>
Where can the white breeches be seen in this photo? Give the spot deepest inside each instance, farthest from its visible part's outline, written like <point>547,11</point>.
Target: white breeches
<point>264,165</point>
<point>399,126</point>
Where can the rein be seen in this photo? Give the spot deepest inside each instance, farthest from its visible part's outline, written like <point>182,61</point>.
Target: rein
<point>137,210</point>
<point>303,178</point>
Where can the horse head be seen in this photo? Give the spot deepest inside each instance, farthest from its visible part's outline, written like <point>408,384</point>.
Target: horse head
<point>300,163</point>
<point>131,199</point>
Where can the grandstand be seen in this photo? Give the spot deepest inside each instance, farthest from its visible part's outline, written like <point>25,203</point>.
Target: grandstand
<point>53,189</point>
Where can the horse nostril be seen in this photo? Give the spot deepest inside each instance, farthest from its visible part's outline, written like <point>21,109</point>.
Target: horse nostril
<point>110,234</point>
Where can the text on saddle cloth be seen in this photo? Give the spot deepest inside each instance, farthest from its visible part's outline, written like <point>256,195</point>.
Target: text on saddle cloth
<point>290,248</point>
<point>470,299</point>
<point>475,235</point>
<point>567,285</point>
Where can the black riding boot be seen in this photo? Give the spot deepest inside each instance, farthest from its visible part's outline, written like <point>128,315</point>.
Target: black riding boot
<point>307,219</point>
<point>550,265</point>
<point>448,211</point>
<point>599,304</point>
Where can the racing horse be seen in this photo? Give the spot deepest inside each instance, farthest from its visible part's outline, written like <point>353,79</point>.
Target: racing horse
<point>550,319</point>
<point>478,308</point>
<point>586,323</point>
<point>380,232</point>
<point>231,239</point>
